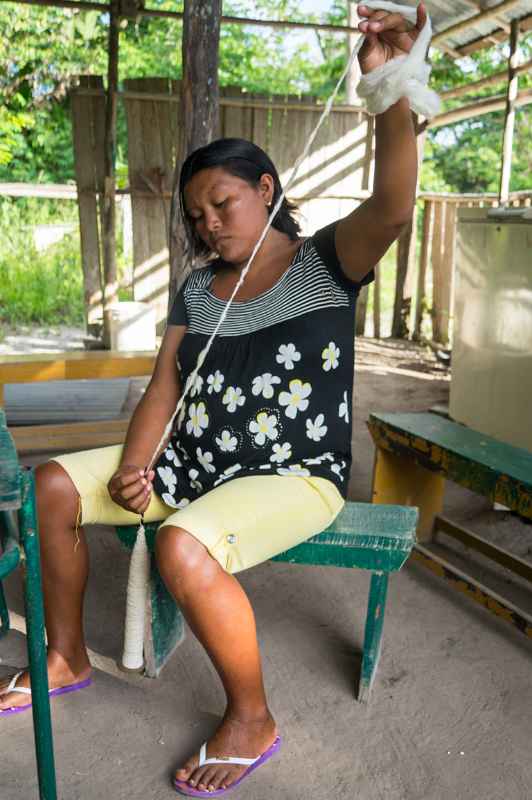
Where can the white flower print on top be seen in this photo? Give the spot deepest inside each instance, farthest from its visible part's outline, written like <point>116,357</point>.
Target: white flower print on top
<point>316,430</point>
<point>195,484</point>
<point>198,419</point>
<point>330,356</point>
<point>337,468</point>
<point>215,382</point>
<point>263,384</point>
<point>227,473</point>
<point>294,469</point>
<point>167,476</point>
<point>233,398</point>
<point>205,459</point>
<point>227,442</point>
<point>197,386</point>
<point>319,459</point>
<point>343,408</point>
<point>296,399</point>
<point>172,456</point>
<point>171,501</point>
<point>281,452</point>
<point>287,355</point>
<point>264,426</point>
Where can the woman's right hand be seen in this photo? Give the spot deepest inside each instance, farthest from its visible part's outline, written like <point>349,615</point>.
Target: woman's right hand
<point>130,487</point>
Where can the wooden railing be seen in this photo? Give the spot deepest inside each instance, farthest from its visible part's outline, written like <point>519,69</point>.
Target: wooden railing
<point>424,282</point>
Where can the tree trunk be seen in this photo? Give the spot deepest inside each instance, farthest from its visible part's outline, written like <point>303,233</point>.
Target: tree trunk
<point>199,122</point>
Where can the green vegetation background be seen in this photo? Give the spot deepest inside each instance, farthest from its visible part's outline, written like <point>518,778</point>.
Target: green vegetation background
<point>48,48</point>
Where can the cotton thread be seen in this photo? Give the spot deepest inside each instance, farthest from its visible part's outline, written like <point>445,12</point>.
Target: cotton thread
<point>404,76</point>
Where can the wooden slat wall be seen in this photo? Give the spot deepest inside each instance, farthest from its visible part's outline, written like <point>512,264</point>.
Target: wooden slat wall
<point>152,139</point>
<point>88,124</point>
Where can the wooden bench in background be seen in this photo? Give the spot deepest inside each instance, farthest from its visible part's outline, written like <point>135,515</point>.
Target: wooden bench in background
<point>72,365</point>
<point>415,454</point>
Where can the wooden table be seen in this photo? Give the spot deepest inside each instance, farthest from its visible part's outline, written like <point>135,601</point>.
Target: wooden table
<point>73,365</point>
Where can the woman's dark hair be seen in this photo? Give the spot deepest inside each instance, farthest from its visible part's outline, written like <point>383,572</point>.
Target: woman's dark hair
<point>244,160</point>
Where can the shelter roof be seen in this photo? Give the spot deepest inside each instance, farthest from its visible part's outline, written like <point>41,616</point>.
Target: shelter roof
<point>446,14</point>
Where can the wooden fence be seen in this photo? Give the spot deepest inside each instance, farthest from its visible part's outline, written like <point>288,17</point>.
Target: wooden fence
<point>435,266</point>
<point>331,181</point>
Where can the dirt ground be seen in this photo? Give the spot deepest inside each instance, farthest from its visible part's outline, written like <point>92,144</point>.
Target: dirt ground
<point>449,717</point>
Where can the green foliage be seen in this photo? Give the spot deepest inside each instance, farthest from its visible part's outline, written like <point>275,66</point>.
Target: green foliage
<point>38,287</point>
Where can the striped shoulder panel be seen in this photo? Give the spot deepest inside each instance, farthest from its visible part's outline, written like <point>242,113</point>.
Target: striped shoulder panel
<point>306,286</point>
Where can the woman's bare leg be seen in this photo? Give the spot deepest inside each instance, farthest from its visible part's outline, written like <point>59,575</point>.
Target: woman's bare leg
<point>218,611</point>
<point>64,575</point>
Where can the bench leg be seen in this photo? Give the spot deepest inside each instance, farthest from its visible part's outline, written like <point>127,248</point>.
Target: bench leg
<point>4,613</point>
<point>400,481</point>
<point>373,633</point>
<point>42,724</point>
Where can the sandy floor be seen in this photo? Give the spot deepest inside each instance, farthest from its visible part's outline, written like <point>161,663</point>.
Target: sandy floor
<point>449,718</point>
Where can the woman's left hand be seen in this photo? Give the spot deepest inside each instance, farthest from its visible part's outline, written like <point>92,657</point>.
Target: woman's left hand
<point>387,36</point>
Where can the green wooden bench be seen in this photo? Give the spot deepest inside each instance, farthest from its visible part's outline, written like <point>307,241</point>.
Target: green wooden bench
<point>415,454</point>
<point>376,538</point>
<point>19,546</point>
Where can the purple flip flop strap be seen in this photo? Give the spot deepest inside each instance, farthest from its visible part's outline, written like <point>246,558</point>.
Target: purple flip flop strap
<point>12,687</point>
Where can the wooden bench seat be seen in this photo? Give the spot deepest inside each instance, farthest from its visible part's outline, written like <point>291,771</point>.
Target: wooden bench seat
<point>376,538</point>
<point>415,454</point>
<point>73,365</point>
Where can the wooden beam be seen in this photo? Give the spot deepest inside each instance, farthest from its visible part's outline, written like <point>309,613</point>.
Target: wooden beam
<point>55,191</point>
<point>471,22</point>
<point>509,117</point>
<point>75,365</point>
<point>68,436</point>
<point>481,42</point>
<point>485,106</point>
<point>498,77</point>
<point>178,15</point>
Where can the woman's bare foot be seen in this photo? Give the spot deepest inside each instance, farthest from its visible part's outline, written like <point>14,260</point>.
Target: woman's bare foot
<point>60,673</point>
<point>238,737</point>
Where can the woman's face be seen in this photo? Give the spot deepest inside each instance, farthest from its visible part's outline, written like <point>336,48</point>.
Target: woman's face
<point>226,212</point>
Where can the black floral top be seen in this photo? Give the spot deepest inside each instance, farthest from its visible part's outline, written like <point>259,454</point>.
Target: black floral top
<point>273,396</point>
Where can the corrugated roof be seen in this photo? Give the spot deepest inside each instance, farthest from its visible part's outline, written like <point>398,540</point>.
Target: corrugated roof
<point>447,13</point>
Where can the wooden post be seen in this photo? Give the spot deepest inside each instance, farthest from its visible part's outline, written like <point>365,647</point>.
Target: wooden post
<point>406,255</point>
<point>509,120</point>
<point>110,292</point>
<point>377,303</point>
<point>200,100</point>
<point>426,246</point>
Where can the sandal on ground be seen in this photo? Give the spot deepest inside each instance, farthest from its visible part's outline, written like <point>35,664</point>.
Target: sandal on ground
<point>12,687</point>
<point>252,763</point>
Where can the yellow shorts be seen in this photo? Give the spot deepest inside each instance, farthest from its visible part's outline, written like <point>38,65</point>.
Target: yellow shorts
<point>241,523</point>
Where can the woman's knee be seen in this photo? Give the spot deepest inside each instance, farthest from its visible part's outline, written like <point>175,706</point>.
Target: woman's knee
<point>55,490</point>
<point>181,555</point>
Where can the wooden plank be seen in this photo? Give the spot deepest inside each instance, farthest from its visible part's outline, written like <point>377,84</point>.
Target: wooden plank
<point>151,126</point>
<point>426,247</point>
<point>71,436</point>
<point>474,542</point>
<point>377,303</point>
<point>494,469</point>
<point>86,159</point>
<point>74,366</point>
<point>438,325</point>
<point>465,584</point>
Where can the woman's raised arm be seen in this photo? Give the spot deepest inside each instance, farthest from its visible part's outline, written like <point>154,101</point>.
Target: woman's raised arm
<point>364,236</point>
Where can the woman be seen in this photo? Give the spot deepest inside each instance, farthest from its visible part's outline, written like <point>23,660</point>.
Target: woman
<point>259,458</point>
